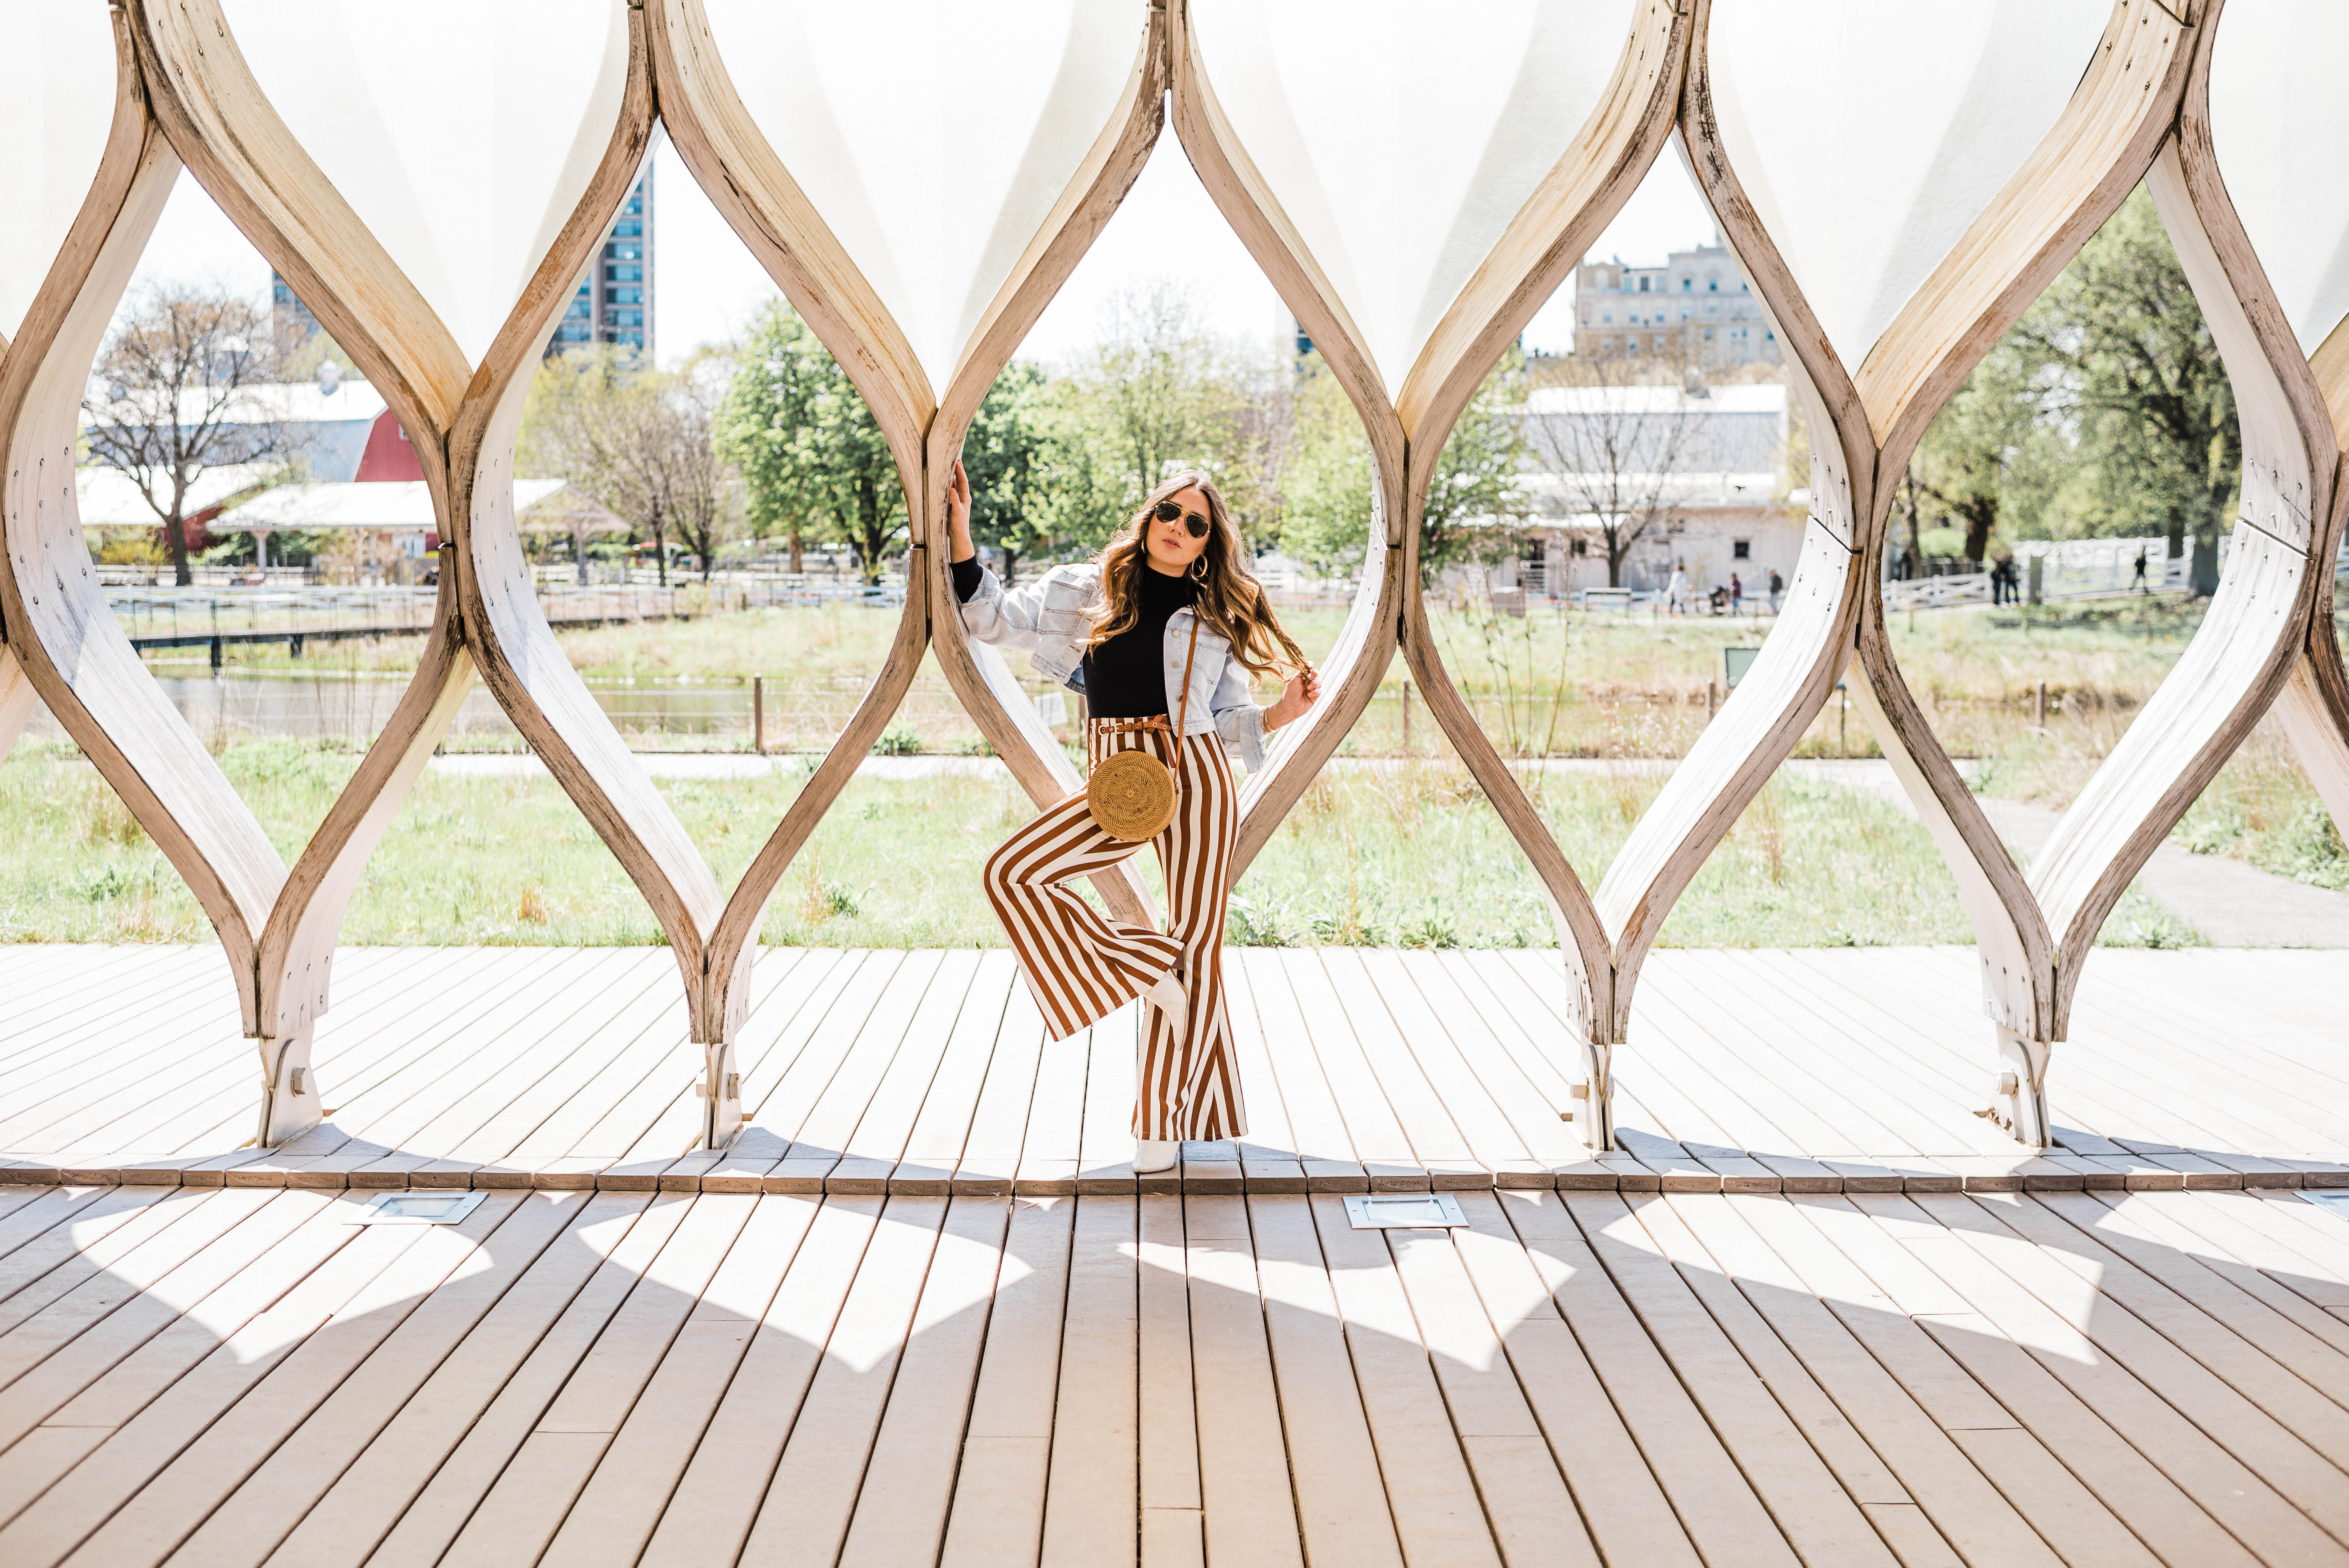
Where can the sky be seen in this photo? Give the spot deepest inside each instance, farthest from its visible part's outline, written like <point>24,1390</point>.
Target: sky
<point>707,287</point>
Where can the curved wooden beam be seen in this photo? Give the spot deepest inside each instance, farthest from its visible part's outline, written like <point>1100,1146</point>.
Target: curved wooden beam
<point>2066,186</point>
<point>2256,629</point>
<point>64,635</point>
<point>16,698</point>
<point>1610,156</point>
<point>2070,184</point>
<point>1366,642</point>
<point>1803,654</point>
<point>2313,707</point>
<point>721,143</point>
<point>297,944</point>
<point>461,421</point>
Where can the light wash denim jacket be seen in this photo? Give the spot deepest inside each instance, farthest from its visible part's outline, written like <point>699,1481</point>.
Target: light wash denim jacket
<point>1050,618</point>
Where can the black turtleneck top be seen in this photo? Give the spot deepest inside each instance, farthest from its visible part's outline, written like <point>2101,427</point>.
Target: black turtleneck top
<point>1123,676</point>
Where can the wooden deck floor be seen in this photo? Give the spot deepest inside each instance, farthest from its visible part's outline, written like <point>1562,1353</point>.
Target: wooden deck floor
<point>893,1361</point>
<point>928,1073</point>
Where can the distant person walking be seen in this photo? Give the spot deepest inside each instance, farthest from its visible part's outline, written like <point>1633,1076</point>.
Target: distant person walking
<point>1737,595</point>
<point>2001,573</point>
<point>2138,583</point>
<point>1676,592</point>
<point>1777,586</point>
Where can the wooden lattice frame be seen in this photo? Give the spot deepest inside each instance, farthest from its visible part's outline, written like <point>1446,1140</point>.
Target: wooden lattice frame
<point>183,91</point>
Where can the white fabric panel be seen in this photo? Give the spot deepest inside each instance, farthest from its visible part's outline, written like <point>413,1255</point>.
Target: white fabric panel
<point>1869,135</point>
<point>53,120</point>
<point>462,132</point>
<point>932,135</point>
<point>1400,140</point>
<point>2279,125</point>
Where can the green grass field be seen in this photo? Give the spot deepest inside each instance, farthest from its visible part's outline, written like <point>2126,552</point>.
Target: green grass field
<point>1407,855</point>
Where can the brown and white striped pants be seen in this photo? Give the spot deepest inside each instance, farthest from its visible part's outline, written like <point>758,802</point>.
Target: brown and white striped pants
<point>1082,966</point>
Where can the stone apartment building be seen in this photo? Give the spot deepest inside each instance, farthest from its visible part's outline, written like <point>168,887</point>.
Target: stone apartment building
<point>1696,308</point>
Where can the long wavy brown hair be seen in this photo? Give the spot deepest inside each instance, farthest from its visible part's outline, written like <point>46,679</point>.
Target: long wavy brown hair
<point>1230,601</point>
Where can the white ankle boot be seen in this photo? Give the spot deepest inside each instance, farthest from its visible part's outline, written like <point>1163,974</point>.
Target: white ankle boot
<point>1154,1154</point>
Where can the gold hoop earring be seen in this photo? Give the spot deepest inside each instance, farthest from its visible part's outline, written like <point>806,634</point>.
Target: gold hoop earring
<point>1199,569</point>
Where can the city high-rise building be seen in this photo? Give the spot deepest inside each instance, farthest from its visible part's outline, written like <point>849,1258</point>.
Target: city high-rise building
<point>1697,309</point>
<point>613,303</point>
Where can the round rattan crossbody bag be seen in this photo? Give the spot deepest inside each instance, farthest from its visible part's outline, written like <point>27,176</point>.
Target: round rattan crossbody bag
<point>1131,793</point>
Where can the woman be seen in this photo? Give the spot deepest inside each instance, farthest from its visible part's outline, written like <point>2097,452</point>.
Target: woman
<point>1169,592</point>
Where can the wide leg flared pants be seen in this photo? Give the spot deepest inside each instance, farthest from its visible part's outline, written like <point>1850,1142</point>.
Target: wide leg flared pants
<point>1082,967</point>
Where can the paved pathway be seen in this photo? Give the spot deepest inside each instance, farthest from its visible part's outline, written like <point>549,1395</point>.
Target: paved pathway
<point>2231,903</point>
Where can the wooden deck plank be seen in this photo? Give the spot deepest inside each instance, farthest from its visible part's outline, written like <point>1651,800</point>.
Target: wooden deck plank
<point>901,1511</point>
<point>1324,1147</point>
<point>88,1499</point>
<point>1268,1154</point>
<point>632,1237</point>
<point>1495,1142</point>
<point>2219,1307</point>
<point>2264,1415</point>
<point>185,1491</point>
<point>996,1515</point>
<point>1105,1125</point>
<point>66,1436</point>
<point>1424,1463</point>
<point>622,1502</point>
<point>1249,1508</point>
<point>1373,1131</point>
<point>1531,1513</point>
<point>2126,1486</point>
<point>1430,1091</point>
<point>991,1151</point>
<point>709,1513</point>
<point>1626,1513</point>
<point>356,1513</point>
<point>521,1512</point>
<point>543,1078</point>
<point>1935,1228</point>
<point>1092,1497</point>
<point>875,1113</point>
<point>1330,1452</point>
<point>252,1521</point>
<point>950,1105</point>
<point>1550,1142</point>
<point>89,1289</point>
<point>1905,1396</point>
<point>68,1370</point>
<point>1716,1500</point>
<point>1167,1416</point>
<point>809,1503</point>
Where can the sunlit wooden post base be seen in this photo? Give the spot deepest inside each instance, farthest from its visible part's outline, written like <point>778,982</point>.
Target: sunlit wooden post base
<point>2020,1106</point>
<point>290,1102</point>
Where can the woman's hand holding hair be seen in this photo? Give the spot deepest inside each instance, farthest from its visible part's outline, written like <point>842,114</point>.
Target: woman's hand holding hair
<point>959,544</point>
<point>1298,696</point>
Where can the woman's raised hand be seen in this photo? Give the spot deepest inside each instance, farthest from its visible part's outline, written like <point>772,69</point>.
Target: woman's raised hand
<point>959,544</point>
<point>1298,696</point>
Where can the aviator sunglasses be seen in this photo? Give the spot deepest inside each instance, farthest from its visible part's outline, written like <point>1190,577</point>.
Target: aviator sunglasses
<point>1167,511</point>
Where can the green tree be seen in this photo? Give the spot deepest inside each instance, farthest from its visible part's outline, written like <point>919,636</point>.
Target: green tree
<point>640,441</point>
<point>2132,366</point>
<point>1475,499</point>
<point>1994,454</point>
<point>812,459</point>
<point>1010,453</point>
<point>1157,394</point>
